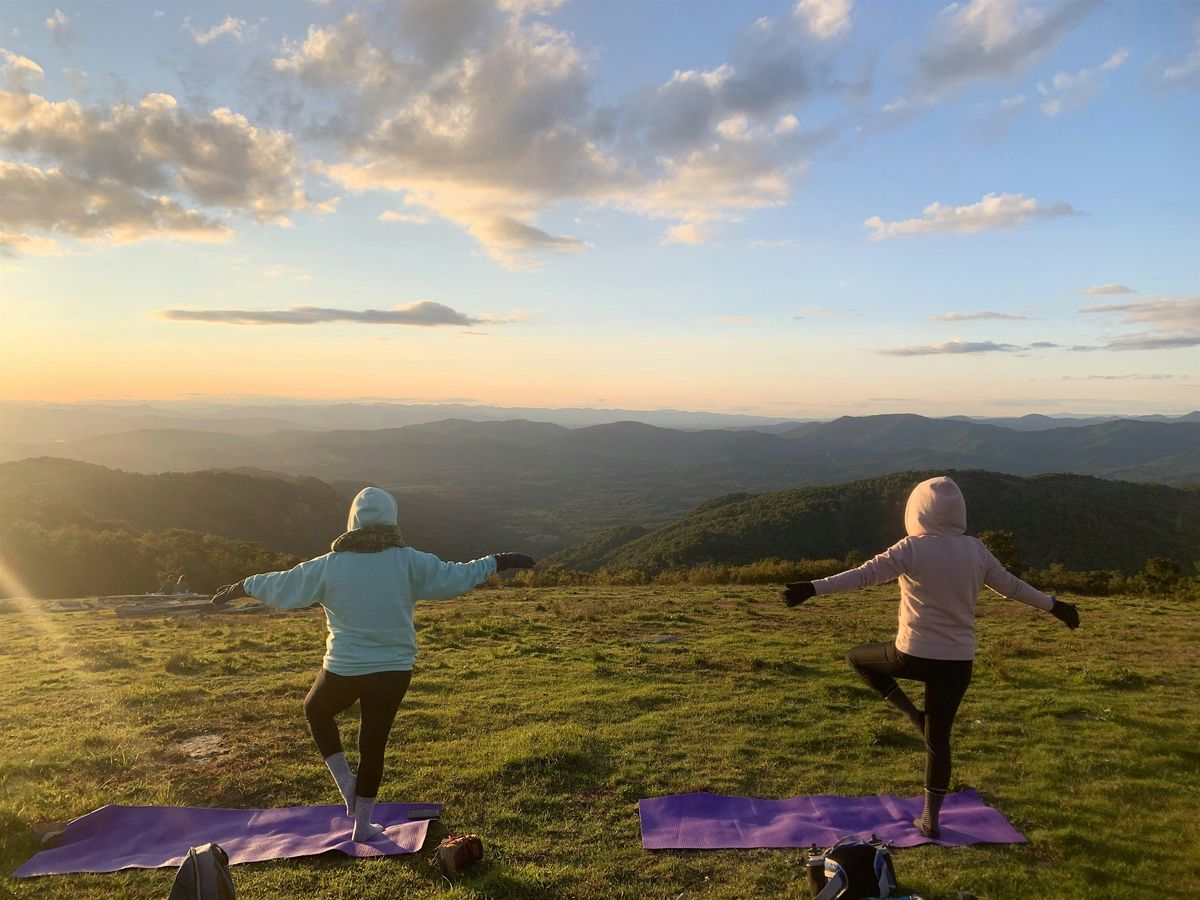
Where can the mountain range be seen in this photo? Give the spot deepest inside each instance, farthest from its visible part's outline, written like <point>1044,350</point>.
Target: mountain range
<point>470,486</point>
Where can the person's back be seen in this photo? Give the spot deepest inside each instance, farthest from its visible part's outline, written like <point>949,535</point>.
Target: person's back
<point>369,599</point>
<point>940,569</point>
<point>367,585</point>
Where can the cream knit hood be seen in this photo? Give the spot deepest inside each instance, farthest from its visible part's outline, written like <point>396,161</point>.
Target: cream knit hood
<point>372,506</point>
<point>936,507</point>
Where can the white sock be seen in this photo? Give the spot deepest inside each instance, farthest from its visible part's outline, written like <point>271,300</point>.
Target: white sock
<point>364,828</point>
<point>340,769</point>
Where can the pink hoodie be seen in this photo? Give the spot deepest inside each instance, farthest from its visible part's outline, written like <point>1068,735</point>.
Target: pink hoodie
<point>941,569</point>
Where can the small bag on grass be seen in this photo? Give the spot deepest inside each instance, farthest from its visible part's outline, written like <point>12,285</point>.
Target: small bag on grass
<point>458,851</point>
<point>852,869</point>
<point>204,875</point>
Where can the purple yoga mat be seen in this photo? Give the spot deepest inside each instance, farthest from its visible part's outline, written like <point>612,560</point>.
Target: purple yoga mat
<point>151,837</point>
<point>715,821</point>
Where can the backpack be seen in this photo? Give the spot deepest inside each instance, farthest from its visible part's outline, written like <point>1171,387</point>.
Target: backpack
<point>204,875</point>
<point>852,869</point>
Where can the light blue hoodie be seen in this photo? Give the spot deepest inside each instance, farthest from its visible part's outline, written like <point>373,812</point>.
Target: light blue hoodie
<point>369,597</point>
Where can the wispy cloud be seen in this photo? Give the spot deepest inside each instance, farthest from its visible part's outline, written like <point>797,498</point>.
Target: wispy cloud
<point>994,211</point>
<point>1172,323</point>
<point>995,122</point>
<point>734,320</point>
<point>1101,289</point>
<point>1074,91</point>
<point>423,313</point>
<point>824,19</point>
<point>992,39</point>
<point>61,30</point>
<point>953,347</point>
<point>1161,312</point>
<point>687,233</point>
<point>770,245</point>
<point>1129,377</point>
<point>237,29</point>
<point>978,314</point>
<point>392,215</point>
<point>1180,72</point>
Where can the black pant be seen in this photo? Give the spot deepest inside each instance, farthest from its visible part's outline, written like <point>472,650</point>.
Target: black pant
<point>946,682</point>
<point>379,695</point>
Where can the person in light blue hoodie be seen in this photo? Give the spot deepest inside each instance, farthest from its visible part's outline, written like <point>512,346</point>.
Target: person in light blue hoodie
<point>367,584</point>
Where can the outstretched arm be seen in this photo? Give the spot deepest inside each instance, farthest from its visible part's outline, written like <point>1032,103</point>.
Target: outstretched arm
<point>1006,584</point>
<point>434,579</point>
<point>887,566</point>
<point>229,592</point>
<point>298,587</point>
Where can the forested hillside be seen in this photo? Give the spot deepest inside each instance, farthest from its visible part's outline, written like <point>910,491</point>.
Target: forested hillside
<point>72,528</point>
<point>1077,521</point>
<point>289,514</point>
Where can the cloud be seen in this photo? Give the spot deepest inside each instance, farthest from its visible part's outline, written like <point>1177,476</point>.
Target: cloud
<point>824,19</point>
<point>484,116</point>
<point>770,245</point>
<point>1109,289</point>
<point>12,245</point>
<point>687,233</point>
<point>978,314</point>
<point>54,201</point>
<point>1172,323</point>
<point>19,71</point>
<point>994,211</point>
<point>734,320</point>
<point>235,28</point>
<point>134,171</point>
<point>1160,312</point>
<point>954,346</point>
<point>423,313</point>
<point>1044,345</point>
<point>1070,92</point>
<point>994,125</point>
<point>1178,73</point>
<point>1119,377</point>
<point>391,215</point>
<point>991,39</point>
<point>61,30</point>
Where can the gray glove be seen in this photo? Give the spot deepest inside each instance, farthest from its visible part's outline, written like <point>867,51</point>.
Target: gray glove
<point>227,593</point>
<point>513,561</point>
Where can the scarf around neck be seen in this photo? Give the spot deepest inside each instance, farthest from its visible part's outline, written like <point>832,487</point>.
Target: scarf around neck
<point>369,539</point>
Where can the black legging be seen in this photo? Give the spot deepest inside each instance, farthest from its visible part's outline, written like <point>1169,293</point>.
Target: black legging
<point>946,682</point>
<point>380,694</point>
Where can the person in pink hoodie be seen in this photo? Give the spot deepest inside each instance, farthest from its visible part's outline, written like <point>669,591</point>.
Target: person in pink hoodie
<point>940,569</point>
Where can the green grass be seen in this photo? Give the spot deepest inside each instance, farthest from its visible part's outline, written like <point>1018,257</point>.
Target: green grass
<point>539,717</point>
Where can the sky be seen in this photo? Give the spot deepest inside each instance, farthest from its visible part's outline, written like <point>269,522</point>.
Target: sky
<point>801,209</point>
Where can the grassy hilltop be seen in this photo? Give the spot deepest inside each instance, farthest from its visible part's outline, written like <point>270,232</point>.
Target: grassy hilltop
<point>540,717</point>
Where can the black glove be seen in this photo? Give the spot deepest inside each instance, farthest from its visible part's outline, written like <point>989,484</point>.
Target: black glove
<point>513,561</point>
<point>1065,613</point>
<point>796,592</point>
<point>227,593</point>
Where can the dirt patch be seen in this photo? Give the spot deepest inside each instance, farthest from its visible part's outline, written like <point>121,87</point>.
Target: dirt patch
<point>202,746</point>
